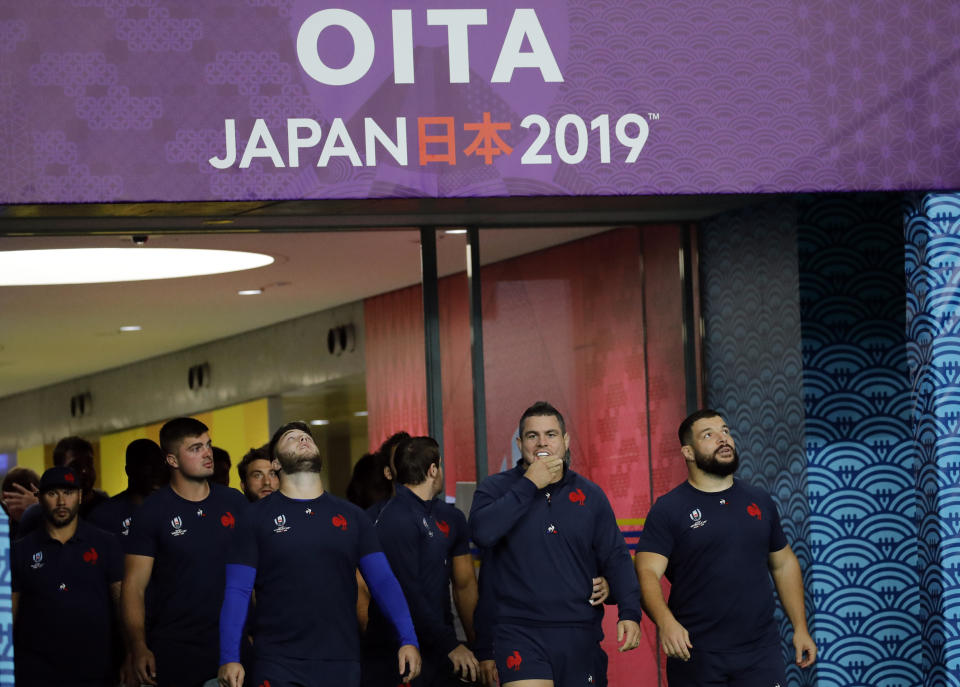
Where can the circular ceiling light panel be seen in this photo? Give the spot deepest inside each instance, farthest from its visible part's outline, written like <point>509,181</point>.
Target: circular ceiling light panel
<point>106,265</point>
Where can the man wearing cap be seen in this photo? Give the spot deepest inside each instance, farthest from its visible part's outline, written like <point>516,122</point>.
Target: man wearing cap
<point>66,587</point>
<point>178,544</point>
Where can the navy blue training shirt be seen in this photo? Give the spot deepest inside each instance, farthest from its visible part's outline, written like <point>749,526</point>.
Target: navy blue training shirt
<point>66,619</point>
<point>718,545</point>
<point>420,539</point>
<point>547,545</point>
<point>188,541</point>
<point>306,555</point>
<point>115,515</point>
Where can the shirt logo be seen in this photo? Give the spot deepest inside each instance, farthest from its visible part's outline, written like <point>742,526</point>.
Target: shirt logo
<point>200,513</point>
<point>723,502</point>
<point>578,497</point>
<point>37,560</point>
<point>754,511</point>
<point>697,516</point>
<point>309,511</point>
<point>339,521</point>
<point>177,526</point>
<point>90,556</point>
<point>514,660</point>
<point>280,521</point>
<point>125,526</point>
<point>426,527</point>
<point>552,529</point>
<point>227,520</point>
<point>444,527</point>
<point>63,587</point>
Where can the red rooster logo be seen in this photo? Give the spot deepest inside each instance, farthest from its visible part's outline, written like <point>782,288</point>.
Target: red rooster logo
<point>339,521</point>
<point>754,511</point>
<point>443,527</point>
<point>91,556</point>
<point>514,660</point>
<point>578,497</point>
<point>227,520</point>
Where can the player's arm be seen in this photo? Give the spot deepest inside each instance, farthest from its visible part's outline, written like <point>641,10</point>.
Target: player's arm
<point>788,578</point>
<point>137,571</point>
<point>386,591</point>
<point>613,559</point>
<point>674,637</point>
<point>465,592</point>
<point>14,604</point>
<point>493,514</point>
<point>233,616</point>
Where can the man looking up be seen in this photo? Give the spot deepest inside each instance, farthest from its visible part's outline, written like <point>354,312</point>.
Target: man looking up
<point>299,548</point>
<point>718,540</point>
<point>548,533</point>
<point>66,586</point>
<point>425,541</point>
<point>178,544</point>
<point>258,475</point>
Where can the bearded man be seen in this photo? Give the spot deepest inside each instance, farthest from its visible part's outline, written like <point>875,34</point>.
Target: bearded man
<point>718,540</point>
<point>300,548</point>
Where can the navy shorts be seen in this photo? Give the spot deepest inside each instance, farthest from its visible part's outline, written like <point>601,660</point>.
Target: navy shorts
<point>762,667</point>
<point>569,656</point>
<point>380,670</point>
<point>280,671</point>
<point>184,665</point>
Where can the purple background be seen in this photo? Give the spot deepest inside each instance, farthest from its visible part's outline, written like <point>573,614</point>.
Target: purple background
<point>124,100</point>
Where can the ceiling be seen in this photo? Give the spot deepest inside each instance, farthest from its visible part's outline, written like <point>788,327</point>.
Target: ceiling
<point>49,334</point>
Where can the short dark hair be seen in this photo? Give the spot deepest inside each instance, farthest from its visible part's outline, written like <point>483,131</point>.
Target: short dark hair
<point>685,431</point>
<point>414,457</point>
<point>368,485</point>
<point>75,444</point>
<point>283,429</point>
<point>176,430</point>
<point>25,477</point>
<point>253,454</point>
<point>538,409</point>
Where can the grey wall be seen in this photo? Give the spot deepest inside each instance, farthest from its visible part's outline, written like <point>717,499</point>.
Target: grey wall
<point>256,364</point>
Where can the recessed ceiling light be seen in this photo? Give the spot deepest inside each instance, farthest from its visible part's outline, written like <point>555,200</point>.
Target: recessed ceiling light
<point>361,413</point>
<point>103,265</point>
<point>249,292</point>
<point>455,231</point>
<point>131,328</point>
<point>319,423</point>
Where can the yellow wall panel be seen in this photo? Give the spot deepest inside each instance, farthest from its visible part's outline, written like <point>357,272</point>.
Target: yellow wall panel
<point>237,429</point>
<point>33,458</point>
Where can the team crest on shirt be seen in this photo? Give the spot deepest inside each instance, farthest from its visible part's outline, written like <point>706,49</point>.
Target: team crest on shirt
<point>37,560</point>
<point>697,518</point>
<point>178,529</point>
<point>281,523</point>
<point>125,526</point>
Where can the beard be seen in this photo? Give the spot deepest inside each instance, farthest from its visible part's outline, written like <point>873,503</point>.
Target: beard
<point>295,461</point>
<point>708,463</point>
<point>60,520</point>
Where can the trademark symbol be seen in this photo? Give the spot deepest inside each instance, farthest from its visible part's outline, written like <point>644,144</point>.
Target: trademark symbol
<point>653,116</point>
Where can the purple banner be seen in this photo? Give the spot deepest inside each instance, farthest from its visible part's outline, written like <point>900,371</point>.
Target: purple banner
<point>175,100</point>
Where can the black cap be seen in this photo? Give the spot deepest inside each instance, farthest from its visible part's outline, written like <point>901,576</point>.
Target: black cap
<point>59,478</point>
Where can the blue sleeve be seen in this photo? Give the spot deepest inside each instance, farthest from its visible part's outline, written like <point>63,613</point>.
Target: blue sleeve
<point>493,514</point>
<point>233,613</point>
<point>614,560</point>
<point>401,541</point>
<point>389,597</point>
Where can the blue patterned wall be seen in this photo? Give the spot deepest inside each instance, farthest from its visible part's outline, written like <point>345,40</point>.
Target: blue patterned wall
<point>750,302</point>
<point>859,443</point>
<point>6,618</point>
<point>932,237</point>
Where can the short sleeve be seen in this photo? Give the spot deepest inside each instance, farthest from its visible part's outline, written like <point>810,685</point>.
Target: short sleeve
<point>142,540</point>
<point>114,558</point>
<point>461,542</point>
<point>656,536</point>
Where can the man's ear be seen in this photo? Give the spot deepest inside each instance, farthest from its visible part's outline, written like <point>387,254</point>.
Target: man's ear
<point>172,461</point>
<point>687,453</point>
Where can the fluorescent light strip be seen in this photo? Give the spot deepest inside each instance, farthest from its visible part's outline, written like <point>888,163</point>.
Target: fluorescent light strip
<point>107,265</point>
